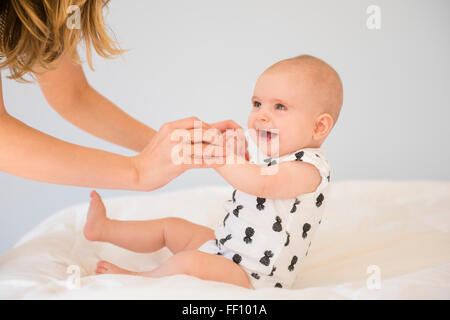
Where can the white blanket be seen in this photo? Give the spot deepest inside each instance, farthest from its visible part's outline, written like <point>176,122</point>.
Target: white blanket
<point>395,232</point>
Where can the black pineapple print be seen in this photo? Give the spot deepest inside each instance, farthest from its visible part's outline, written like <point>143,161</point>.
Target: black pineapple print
<point>273,270</point>
<point>306,228</point>
<point>299,155</point>
<point>277,225</point>
<point>223,240</point>
<point>233,196</point>
<point>260,203</point>
<point>266,259</point>
<point>270,162</point>
<point>293,262</point>
<point>225,219</point>
<point>249,232</point>
<point>294,207</point>
<point>236,211</point>
<point>319,200</point>
<point>255,275</point>
<point>287,238</point>
<point>237,258</point>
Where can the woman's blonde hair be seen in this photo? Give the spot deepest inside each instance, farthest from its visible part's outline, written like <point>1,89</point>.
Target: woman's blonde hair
<point>34,33</point>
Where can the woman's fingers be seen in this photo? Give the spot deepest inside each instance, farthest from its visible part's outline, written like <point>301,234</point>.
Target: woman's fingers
<point>196,153</point>
<point>189,128</point>
<point>212,144</point>
<point>226,124</point>
<point>186,124</point>
<point>199,131</point>
<point>199,151</point>
<point>210,135</point>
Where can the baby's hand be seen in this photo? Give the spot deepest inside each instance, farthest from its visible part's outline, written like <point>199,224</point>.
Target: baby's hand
<point>230,125</point>
<point>236,144</point>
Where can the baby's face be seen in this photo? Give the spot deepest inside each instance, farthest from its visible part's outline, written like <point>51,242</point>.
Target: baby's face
<point>282,100</point>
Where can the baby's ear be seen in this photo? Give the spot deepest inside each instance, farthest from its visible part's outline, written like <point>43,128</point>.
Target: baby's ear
<point>324,124</point>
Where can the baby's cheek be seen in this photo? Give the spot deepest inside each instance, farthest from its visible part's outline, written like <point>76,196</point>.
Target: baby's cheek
<point>291,138</point>
<point>250,121</point>
<point>287,136</point>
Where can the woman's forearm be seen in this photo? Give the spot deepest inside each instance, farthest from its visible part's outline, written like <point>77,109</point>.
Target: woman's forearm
<point>97,115</point>
<point>68,92</point>
<point>31,154</point>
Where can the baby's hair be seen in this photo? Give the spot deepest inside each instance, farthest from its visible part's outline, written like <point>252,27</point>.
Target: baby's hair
<point>335,82</point>
<point>328,79</point>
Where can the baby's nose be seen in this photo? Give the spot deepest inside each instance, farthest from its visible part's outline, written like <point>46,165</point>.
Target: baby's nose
<point>263,117</point>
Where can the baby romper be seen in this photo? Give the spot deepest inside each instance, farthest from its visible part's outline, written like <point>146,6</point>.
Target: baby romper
<point>270,238</point>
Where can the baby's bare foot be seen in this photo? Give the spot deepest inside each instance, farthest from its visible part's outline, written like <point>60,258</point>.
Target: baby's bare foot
<point>107,267</point>
<point>96,218</point>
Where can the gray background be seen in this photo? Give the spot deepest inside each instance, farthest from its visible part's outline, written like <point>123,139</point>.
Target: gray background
<point>203,57</point>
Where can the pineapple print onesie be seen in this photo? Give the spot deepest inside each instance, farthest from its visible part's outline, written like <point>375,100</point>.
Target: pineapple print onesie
<point>269,238</point>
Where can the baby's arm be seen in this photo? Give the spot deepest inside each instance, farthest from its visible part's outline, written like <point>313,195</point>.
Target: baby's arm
<point>289,180</point>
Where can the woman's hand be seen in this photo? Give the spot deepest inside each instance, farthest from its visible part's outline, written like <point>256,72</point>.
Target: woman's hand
<point>158,163</point>
<point>222,126</point>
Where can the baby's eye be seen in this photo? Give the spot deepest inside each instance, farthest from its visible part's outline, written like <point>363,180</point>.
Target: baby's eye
<point>256,104</point>
<point>280,107</point>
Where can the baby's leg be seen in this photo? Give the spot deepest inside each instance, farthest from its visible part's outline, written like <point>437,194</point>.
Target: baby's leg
<point>191,262</point>
<point>143,236</point>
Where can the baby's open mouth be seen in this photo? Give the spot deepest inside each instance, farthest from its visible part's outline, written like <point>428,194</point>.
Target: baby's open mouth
<point>267,134</point>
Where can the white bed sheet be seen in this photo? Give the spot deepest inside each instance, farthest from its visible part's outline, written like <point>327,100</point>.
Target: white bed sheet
<point>400,227</point>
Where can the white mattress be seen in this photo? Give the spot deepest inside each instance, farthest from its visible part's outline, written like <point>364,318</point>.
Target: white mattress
<point>400,227</point>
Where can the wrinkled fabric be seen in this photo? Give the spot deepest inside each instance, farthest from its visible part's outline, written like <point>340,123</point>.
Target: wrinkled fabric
<point>396,231</point>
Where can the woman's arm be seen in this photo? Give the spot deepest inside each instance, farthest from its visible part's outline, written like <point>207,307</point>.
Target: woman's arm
<point>31,154</point>
<point>69,93</point>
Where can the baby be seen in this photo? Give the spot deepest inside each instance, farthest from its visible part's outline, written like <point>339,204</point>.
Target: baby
<point>271,218</point>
